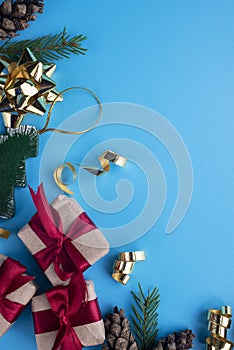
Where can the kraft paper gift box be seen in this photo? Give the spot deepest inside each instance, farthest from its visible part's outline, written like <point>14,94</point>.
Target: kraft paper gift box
<point>16,290</point>
<point>62,238</point>
<point>63,321</point>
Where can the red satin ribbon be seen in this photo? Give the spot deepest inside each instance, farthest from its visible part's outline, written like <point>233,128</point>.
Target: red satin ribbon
<point>67,311</point>
<point>11,279</point>
<point>59,250</point>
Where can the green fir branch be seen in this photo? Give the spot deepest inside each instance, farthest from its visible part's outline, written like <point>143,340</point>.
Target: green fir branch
<point>145,317</point>
<point>46,48</point>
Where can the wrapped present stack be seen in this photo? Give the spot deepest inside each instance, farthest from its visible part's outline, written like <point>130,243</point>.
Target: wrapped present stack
<point>65,242</point>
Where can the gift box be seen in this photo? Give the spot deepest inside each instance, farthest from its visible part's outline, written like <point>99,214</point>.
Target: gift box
<point>16,290</point>
<point>62,320</point>
<point>62,238</point>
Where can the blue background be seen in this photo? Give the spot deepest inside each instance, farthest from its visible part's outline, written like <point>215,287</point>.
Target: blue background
<point>177,58</point>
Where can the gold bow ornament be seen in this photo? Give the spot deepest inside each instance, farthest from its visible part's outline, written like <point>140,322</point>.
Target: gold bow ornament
<point>26,86</point>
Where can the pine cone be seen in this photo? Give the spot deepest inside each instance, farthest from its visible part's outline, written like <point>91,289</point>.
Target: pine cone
<point>176,341</point>
<point>118,333</point>
<point>14,15</point>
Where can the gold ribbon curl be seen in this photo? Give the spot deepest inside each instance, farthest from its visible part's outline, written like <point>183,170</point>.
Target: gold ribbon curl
<point>105,159</point>
<point>58,176</point>
<point>4,233</point>
<point>46,129</point>
<point>124,265</point>
<point>219,323</point>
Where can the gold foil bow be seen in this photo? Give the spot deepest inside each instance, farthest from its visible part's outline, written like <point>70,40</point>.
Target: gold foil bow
<point>25,87</point>
<point>219,322</point>
<point>124,265</point>
<point>105,159</point>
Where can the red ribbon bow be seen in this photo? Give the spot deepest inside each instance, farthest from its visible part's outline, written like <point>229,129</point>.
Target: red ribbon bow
<point>67,311</point>
<point>11,279</point>
<point>59,250</point>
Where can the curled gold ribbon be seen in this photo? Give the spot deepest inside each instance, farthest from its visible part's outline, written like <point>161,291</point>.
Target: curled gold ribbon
<point>46,129</point>
<point>4,233</point>
<point>105,159</point>
<point>227,310</point>
<point>58,176</point>
<point>120,278</point>
<point>219,322</point>
<point>132,256</point>
<point>217,329</point>
<point>215,342</point>
<point>223,319</point>
<point>124,265</point>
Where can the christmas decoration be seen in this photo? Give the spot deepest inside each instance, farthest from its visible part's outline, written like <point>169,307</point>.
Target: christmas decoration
<point>47,47</point>
<point>15,147</point>
<point>219,322</point>
<point>118,333</point>
<point>105,158</point>
<point>63,320</point>
<point>176,341</point>
<point>16,290</point>
<point>46,129</point>
<point>62,238</point>
<point>15,15</point>
<point>125,264</point>
<point>144,324</point>
<point>4,233</point>
<point>27,87</point>
<point>145,317</point>
<point>132,256</point>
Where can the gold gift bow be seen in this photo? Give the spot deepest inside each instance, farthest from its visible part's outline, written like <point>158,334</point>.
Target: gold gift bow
<point>219,322</point>
<point>4,233</point>
<point>27,87</point>
<point>124,265</point>
<point>105,159</point>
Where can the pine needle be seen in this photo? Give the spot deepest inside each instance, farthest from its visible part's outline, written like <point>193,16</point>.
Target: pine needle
<point>145,317</point>
<point>46,48</point>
